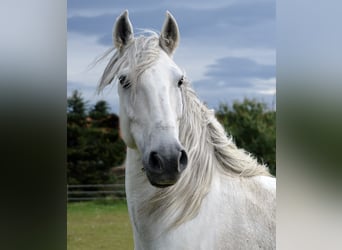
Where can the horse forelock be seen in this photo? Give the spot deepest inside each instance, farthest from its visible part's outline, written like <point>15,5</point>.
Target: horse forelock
<point>134,59</point>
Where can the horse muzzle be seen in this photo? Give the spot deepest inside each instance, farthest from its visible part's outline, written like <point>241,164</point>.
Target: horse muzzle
<point>164,166</point>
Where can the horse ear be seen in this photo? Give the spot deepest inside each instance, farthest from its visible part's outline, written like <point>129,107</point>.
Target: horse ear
<point>169,37</point>
<point>123,31</point>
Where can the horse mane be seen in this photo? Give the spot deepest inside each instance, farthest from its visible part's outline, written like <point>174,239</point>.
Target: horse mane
<point>209,148</point>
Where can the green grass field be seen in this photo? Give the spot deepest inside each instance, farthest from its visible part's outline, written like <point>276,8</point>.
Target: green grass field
<point>98,225</point>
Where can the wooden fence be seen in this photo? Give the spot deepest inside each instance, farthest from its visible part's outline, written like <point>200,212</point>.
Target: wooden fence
<point>96,192</point>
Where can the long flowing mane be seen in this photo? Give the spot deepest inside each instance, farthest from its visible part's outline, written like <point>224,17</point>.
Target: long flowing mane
<point>209,148</point>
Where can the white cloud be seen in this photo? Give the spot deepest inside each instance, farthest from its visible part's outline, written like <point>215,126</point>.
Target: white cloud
<point>264,82</point>
<point>89,13</point>
<point>82,51</point>
<point>271,91</point>
<point>204,5</point>
<point>265,86</point>
<point>97,12</point>
<point>210,5</point>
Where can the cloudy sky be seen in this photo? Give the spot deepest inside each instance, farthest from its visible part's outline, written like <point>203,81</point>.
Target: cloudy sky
<point>227,47</point>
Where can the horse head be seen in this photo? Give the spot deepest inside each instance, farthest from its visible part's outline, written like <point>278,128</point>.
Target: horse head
<point>150,93</point>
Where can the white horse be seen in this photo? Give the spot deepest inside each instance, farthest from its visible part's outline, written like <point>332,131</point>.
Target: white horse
<point>188,185</point>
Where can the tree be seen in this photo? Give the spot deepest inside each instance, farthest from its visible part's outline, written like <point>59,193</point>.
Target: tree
<point>100,110</point>
<point>253,128</point>
<point>93,142</point>
<point>76,109</point>
<point>98,151</point>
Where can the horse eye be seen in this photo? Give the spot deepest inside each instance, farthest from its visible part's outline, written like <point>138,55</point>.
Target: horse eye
<point>122,79</point>
<point>181,81</point>
<point>124,82</point>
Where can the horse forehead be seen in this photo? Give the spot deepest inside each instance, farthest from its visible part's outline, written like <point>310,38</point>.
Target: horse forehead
<point>164,67</point>
<point>166,61</point>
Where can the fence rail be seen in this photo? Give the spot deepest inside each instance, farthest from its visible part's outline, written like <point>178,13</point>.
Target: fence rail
<point>96,191</point>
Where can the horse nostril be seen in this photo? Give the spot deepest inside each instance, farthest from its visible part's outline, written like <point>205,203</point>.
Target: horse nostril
<point>155,161</point>
<point>183,160</point>
<point>159,163</point>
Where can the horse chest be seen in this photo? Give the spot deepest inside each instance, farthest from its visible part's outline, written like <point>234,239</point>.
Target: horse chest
<point>196,234</point>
